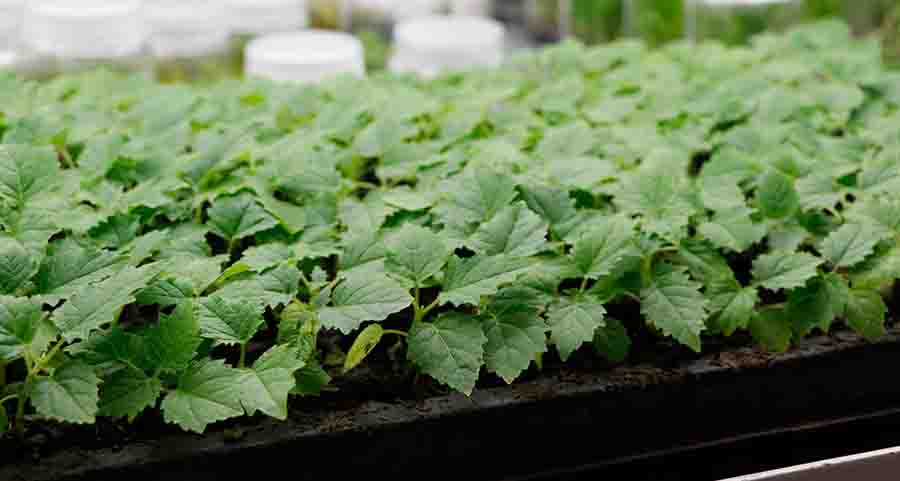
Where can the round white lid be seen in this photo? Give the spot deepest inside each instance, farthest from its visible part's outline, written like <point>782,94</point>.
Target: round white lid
<point>304,56</point>
<point>451,34</point>
<point>259,17</point>
<point>84,28</point>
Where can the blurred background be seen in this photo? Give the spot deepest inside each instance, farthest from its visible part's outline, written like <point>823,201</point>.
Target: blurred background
<point>206,40</point>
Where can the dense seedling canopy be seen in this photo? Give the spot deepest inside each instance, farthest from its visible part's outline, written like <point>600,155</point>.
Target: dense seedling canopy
<point>151,233</point>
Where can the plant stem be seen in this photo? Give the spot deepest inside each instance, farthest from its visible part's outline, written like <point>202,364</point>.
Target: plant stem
<point>421,313</point>
<point>2,375</point>
<point>9,398</point>
<point>242,360</point>
<point>584,284</point>
<point>19,420</point>
<point>395,332</point>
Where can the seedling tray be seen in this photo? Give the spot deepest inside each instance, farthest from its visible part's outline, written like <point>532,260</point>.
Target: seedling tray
<point>563,422</point>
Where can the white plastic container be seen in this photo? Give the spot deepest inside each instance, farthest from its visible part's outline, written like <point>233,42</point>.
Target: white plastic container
<point>62,36</point>
<point>476,8</point>
<point>308,56</point>
<point>188,40</point>
<point>737,21</point>
<point>11,14</point>
<point>249,19</point>
<point>429,45</point>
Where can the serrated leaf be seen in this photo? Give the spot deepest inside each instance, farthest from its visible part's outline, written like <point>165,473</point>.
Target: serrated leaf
<point>94,305</point>
<point>166,292</point>
<point>451,350</point>
<point>127,393</point>
<point>467,280</point>
<point>239,216</point>
<point>673,303</point>
<point>514,231</point>
<point>656,196</point>
<point>881,174</point>
<point>514,337</point>
<point>784,270</point>
<point>572,323</point>
<point>817,304</point>
<point>611,341</point>
<point>553,205</point>
<point>771,330</point>
<point>273,288</point>
<point>266,386</point>
<point>171,344</point>
<point>69,266</point>
<point>416,253</point>
<point>877,271</point>
<point>209,391</point>
<point>228,321</point>
<point>17,265</point>
<point>733,229</point>
<point>70,394</point>
<point>721,192</point>
<point>361,298</point>
<point>26,171</point>
<point>733,308</point>
<point>198,272</point>
<point>777,196</point>
<point>266,256</point>
<point>23,327</point>
<point>311,379</point>
<point>599,251</point>
<point>852,243</point>
<point>477,196</point>
<point>866,313</point>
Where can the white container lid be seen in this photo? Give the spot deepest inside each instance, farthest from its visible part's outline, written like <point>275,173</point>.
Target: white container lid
<point>258,17</point>
<point>308,56</point>
<point>481,8</point>
<point>11,13</point>
<point>81,29</point>
<point>428,45</point>
<point>180,28</point>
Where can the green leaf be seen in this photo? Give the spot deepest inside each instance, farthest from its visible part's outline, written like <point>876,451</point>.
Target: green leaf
<point>611,341</point>
<point>311,379</point>
<point>451,349</point>
<point>166,292</point>
<point>721,192</point>
<point>599,251</point>
<point>514,337</point>
<point>198,272</point>
<point>266,256</point>
<point>70,266</point>
<point>877,271</point>
<point>416,253</point>
<point>266,386</point>
<point>229,321</point>
<point>94,305</point>
<point>70,394</point>
<point>866,313</point>
<point>553,205</point>
<point>733,308</point>
<point>467,280</point>
<point>784,270</point>
<point>17,265</point>
<point>273,288</point>
<point>655,194</point>
<point>477,196</point>
<point>817,304</point>
<point>852,243</point>
<point>23,328</point>
<point>572,323</point>
<point>515,231</point>
<point>209,391</point>
<point>733,229</point>
<point>239,216</point>
<point>26,171</point>
<point>881,174</point>
<point>361,298</point>
<point>127,393</point>
<point>771,330</point>
<point>777,196</point>
<point>674,304</point>
<point>171,344</point>
<point>365,342</point>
